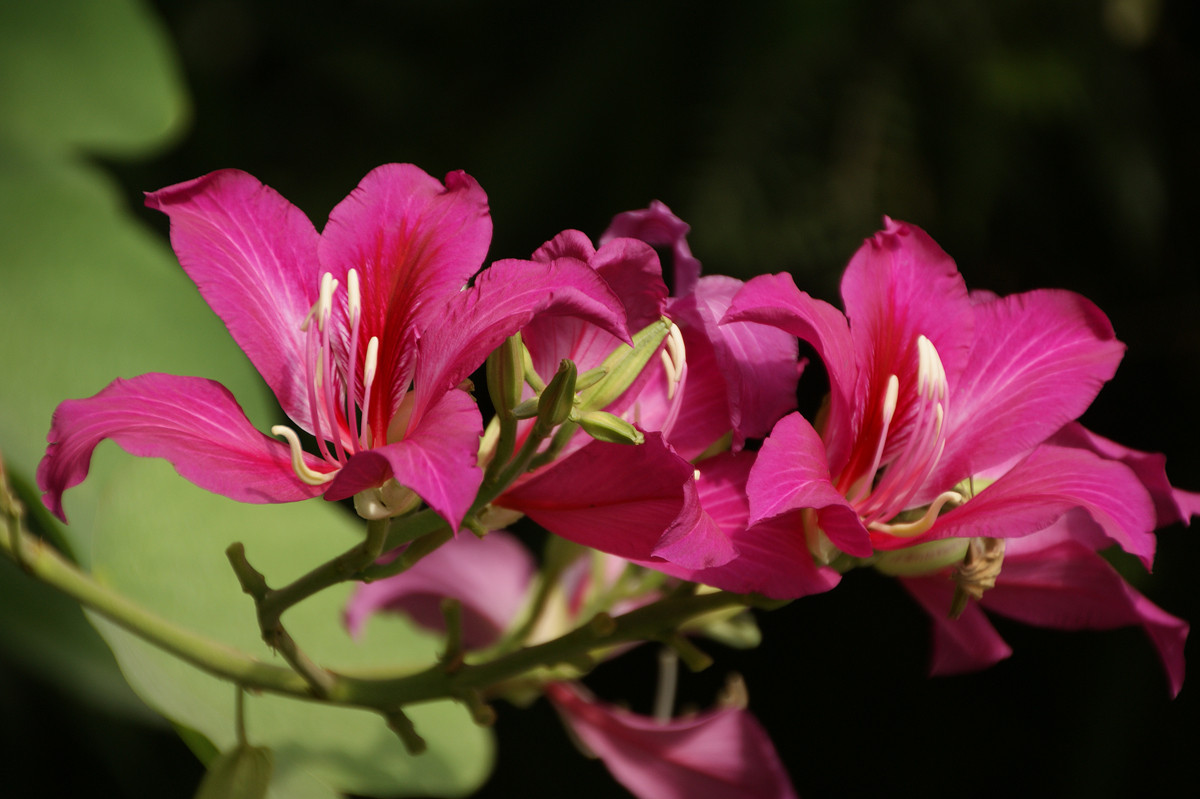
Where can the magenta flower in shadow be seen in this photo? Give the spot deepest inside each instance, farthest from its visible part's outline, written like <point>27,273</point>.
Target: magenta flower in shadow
<point>721,752</point>
<point>365,332</point>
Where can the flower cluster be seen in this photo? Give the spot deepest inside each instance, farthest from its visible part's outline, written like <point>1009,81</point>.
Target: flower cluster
<point>653,431</point>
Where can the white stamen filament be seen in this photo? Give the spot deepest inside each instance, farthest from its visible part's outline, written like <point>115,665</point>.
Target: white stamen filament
<point>919,453</point>
<point>370,364</point>
<point>910,529</point>
<point>862,487</point>
<point>302,469</point>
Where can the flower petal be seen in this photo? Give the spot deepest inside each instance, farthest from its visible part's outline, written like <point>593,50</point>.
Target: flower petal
<point>773,558</point>
<point>759,363</point>
<point>490,576</point>
<point>1067,586</point>
<point>505,297</point>
<point>437,460</point>
<point>415,244</point>
<point>1170,504</point>
<point>774,300</point>
<point>1039,490</point>
<point>1039,360</point>
<point>722,752</point>
<point>791,474</point>
<point>629,501</point>
<point>658,227</point>
<point>253,255</point>
<point>194,423</point>
<point>968,643</point>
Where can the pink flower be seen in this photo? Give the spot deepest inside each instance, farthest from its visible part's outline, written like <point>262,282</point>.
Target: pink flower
<point>365,332</point>
<point>941,412</point>
<point>722,752</point>
<point>716,385</point>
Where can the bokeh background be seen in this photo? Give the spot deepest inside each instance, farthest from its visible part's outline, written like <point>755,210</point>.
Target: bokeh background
<point>1040,143</point>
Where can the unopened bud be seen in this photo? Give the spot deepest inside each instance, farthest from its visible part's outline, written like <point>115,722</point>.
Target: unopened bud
<point>624,365</point>
<point>506,374</point>
<point>556,402</point>
<point>607,427</point>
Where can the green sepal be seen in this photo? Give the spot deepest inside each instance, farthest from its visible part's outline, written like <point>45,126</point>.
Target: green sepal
<point>506,374</point>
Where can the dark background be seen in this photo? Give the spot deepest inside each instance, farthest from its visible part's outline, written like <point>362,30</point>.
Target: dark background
<point>1040,143</point>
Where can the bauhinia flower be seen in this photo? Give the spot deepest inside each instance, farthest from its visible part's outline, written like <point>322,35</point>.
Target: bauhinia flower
<point>706,387</point>
<point>942,412</point>
<point>720,752</point>
<point>366,333</point>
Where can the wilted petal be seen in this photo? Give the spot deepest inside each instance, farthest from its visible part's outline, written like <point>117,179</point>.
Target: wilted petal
<point>968,643</point>
<point>489,576</point>
<point>625,500</point>
<point>722,752</point>
<point>1040,489</point>
<point>194,423</point>
<point>437,460</point>
<point>253,255</point>
<point>1039,360</point>
<point>791,474</point>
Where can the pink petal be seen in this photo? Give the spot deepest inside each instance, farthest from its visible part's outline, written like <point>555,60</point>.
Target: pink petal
<point>195,424</point>
<point>774,300</point>
<point>722,752</point>
<point>504,299</point>
<point>1039,490</point>
<point>1039,360</point>
<point>899,286</point>
<point>1170,504</point>
<point>1067,586</point>
<point>968,643</point>
<point>773,558</point>
<point>791,474</point>
<point>490,576</point>
<point>253,255</point>
<point>628,501</point>
<point>437,460</point>
<point>658,227</point>
<point>758,363</point>
<point>415,244</point>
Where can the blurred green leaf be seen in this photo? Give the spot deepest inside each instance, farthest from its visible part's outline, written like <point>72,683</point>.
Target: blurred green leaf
<point>98,76</point>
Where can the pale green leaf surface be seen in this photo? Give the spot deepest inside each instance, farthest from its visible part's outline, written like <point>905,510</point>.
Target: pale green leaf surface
<point>94,75</point>
<point>161,542</point>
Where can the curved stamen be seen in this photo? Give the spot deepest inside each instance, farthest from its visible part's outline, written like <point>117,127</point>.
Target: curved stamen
<point>862,486</point>
<point>910,529</point>
<point>370,364</point>
<point>302,469</point>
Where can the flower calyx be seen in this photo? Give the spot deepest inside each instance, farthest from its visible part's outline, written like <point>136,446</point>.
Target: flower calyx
<point>977,573</point>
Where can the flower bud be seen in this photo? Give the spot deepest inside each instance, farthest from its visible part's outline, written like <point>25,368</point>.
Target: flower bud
<point>557,401</point>
<point>624,365</point>
<point>506,374</point>
<point>606,427</point>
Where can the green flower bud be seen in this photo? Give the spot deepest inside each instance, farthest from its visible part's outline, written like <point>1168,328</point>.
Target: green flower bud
<point>624,365</point>
<point>557,401</point>
<point>506,374</point>
<point>606,427</point>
